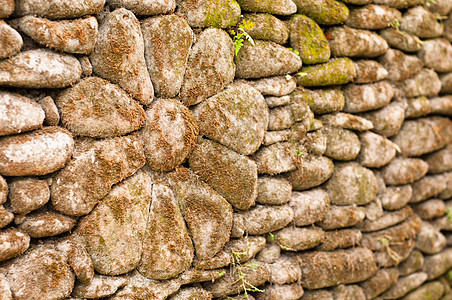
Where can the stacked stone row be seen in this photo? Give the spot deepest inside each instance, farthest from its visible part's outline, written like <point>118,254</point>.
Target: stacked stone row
<point>142,159</point>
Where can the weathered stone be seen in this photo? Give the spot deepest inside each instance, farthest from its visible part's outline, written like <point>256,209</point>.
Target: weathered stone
<point>430,240</point>
<point>325,12</point>
<point>3,190</point>
<point>437,54</point>
<point>396,197</point>
<point>365,97</point>
<point>283,117</point>
<point>403,170</point>
<point>52,116</point>
<point>96,108</point>
<point>100,286</point>
<point>447,193</point>
<point>399,65</point>
<point>372,17</point>
<point>279,158</point>
<point>424,83</point>
<point>374,209</point>
<point>44,224</point>
<point>210,66</point>
<point>448,29</point>
<point>376,150</point>
<point>388,120</point>
<point>315,142</point>
<point>119,55</point>
<point>424,135</point>
<point>95,166</point>
<point>73,36</point>
<point>238,226</point>
<point>264,59</point>
<point>191,293</point>
<point>442,7</point>
<point>346,41</point>
<point>344,238</point>
<point>318,294</point>
<point>308,39</point>
<point>87,68</point>
<point>401,40</point>
<point>10,40</point>
<point>342,216</point>
<point>399,3</point>
<point>40,68</point>
<point>316,202</point>
<point>58,10</point>
<point>441,105</point>
<point>262,219</point>
<point>404,285</point>
<point>281,7</point>
<point>286,291</point>
<point>268,28</point>
<point>417,107</point>
<point>239,102</point>
<point>6,217</point>
<point>270,253</point>
<point>413,263</point>
<point>368,71</point>
<point>196,276</point>
<point>421,22</point>
<point>167,42</point>
<point>446,83</point>
<point>5,290</point>
<point>394,254</point>
<point>380,282</point>
<point>37,153</point>
<point>273,190</point>
<point>169,134</point>
<point>232,175</point>
<point>428,187</point>
<point>14,242</point>
<point>387,220</point>
<point>314,171</point>
<point>321,101</point>
<point>146,7</point>
<point>7,8</point>
<point>279,86</point>
<point>347,121</point>
<point>297,239</point>
<point>285,269</point>
<point>440,161</point>
<point>342,144</point>
<point>352,291</point>
<point>438,264</point>
<point>324,269</point>
<point>336,71</point>
<point>244,249</point>
<point>432,290</point>
<point>222,259</point>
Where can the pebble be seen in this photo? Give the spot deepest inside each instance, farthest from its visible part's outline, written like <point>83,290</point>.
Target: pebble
<point>396,197</point>
<point>429,239</point>
<point>402,170</point>
<point>417,107</point>
<point>52,116</point>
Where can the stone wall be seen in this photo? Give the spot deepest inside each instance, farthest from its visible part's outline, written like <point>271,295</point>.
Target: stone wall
<point>258,149</point>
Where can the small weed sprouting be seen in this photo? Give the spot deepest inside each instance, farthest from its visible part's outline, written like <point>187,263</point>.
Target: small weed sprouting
<point>246,285</point>
<point>239,35</point>
<point>387,242</point>
<point>429,3</point>
<point>302,74</point>
<point>294,51</point>
<point>449,215</point>
<point>299,153</point>
<point>284,247</point>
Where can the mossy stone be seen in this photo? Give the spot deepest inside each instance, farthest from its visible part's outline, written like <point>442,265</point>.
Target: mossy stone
<point>281,7</point>
<point>336,71</point>
<point>218,13</point>
<point>314,171</point>
<point>324,12</point>
<point>267,28</point>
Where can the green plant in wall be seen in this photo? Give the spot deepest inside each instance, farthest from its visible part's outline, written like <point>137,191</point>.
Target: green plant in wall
<point>241,273</point>
<point>239,35</point>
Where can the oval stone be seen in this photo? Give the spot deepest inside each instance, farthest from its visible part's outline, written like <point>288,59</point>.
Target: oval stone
<point>314,171</point>
<point>13,243</point>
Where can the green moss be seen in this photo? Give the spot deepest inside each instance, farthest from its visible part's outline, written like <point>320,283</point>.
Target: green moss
<point>221,13</point>
<point>325,12</point>
<point>336,71</point>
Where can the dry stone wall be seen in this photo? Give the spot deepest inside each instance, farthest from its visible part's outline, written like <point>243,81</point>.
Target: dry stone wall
<point>153,150</point>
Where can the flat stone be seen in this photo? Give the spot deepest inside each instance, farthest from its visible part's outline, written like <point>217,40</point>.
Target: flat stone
<point>166,67</point>
<point>286,291</point>
<point>316,202</point>
<point>264,59</point>
<point>278,158</point>
<point>10,40</point>
<point>275,86</point>
<point>321,101</point>
<point>447,193</point>
<point>342,217</point>
<point>325,269</point>
<point>44,224</point>
<point>281,7</point>
<point>96,108</point>
<point>341,144</point>
<point>19,114</point>
<point>318,294</point>
<point>421,22</point>
<point>6,217</point>
<point>368,71</point>
<point>434,289</point>
<point>52,116</point>
<point>315,142</point>
<point>273,137</point>
<point>146,7</point>
<point>399,65</point>
<point>119,55</point>
<point>219,14</point>
<point>270,253</point>
<point>376,150</point>
<point>343,238</point>
<point>336,71</point>
<point>404,285</point>
<point>387,220</point>
<point>396,197</point>
<point>40,68</point>
<point>239,102</point>
<point>364,97</point>
<point>417,107</point>
<point>6,9</point>
<point>403,170</point>
<point>438,264</point>
<point>244,249</point>
<point>441,106</point>
<point>412,263</point>
<point>232,175</point>
<point>324,12</point>
<point>267,28</point>
<point>169,134</point>
<point>428,187</point>
<point>399,3</point>
<point>437,54</point>
<point>314,171</point>
<point>431,209</point>
<point>308,39</point>
<point>100,286</point>
<point>283,117</point>
<point>14,242</point>
<point>352,291</point>
<point>446,83</point>
<point>94,168</point>
<point>286,269</point>
<point>351,184</point>
<point>380,282</point>
<point>346,41</point>
<point>388,120</point>
<point>372,17</point>
<point>72,36</point>
<point>191,293</point>
<point>58,10</point>
<point>297,239</point>
<point>37,153</point>
<point>442,8</point>
<point>401,40</point>
<point>214,48</point>
<point>421,136</point>
<point>273,190</point>
<point>262,218</point>
<point>424,83</point>
<point>429,239</point>
<point>440,161</point>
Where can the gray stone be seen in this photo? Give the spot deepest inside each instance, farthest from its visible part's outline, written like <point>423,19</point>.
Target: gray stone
<point>417,107</point>
<point>446,83</point>
<point>421,22</point>
<point>273,190</point>
<point>401,40</point>
<point>58,10</point>
<point>448,29</point>
<point>431,209</point>
<point>7,8</point>
<point>37,153</point>
<point>297,239</point>
<point>321,101</point>
<point>279,157</point>
<point>52,116</point>
<point>19,114</point>
<point>429,239</point>
<point>447,193</point>
<point>44,224</point>
<point>286,291</point>
<point>169,134</point>
<point>396,197</point>
<point>380,282</point>
<point>96,108</point>
<point>336,71</point>
<point>315,142</point>
<point>437,264</point>
<point>10,40</point>
<point>273,137</point>
<point>267,27</point>
<point>387,220</point>
<point>232,175</point>
<point>314,171</point>
<point>239,102</point>
<point>341,144</point>
<point>146,7</point>
<point>308,39</point>
<point>346,41</point>
<point>428,187</point>
<point>262,218</point>
<point>325,12</point>
<point>388,120</point>
<point>167,42</point>
<point>94,168</point>
<point>281,7</point>
<point>365,97</point>
<point>342,216</point>
<point>440,161</point>
<point>437,54</point>
<point>264,59</point>
<point>40,68</point>
<point>315,201</point>
<point>270,253</point>
<point>275,86</point>
<point>5,290</point>
<point>214,48</point>
<point>6,217</point>
<point>402,170</point>
<point>318,294</point>
<point>368,71</point>
<point>413,263</point>
<point>372,17</point>
<point>351,184</point>
<point>100,286</point>
<point>286,269</point>
<point>404,285</point>
<point>119,55</point>
<point>376,150</point>
<point>399,65</point>
<point>424,83</point>
<point>14,242</point>
<point>72,36</point>
<point>352,291</point>
<point>441,105</point>
<point>442,7</point>
<point>343,238</point>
